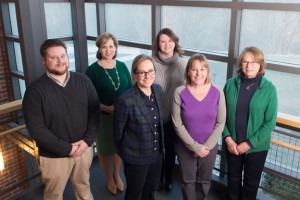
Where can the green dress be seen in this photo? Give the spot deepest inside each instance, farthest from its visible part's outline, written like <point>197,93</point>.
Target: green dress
<point>107,93</point>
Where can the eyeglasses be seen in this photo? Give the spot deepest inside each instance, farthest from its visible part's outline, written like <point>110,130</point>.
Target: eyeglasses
<point>245,63</point>
<point>143,74</point>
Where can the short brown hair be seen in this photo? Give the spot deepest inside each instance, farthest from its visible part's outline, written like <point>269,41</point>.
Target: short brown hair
<point>174,38</point>
<point>51,43</point>
<point>102,39</point>
<point>204,61</point>
<point>259,58</point>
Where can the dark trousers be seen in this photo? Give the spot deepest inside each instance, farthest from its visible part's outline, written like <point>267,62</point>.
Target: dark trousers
<point>244,188</point>
<point>169,158</point>
<point>142,180</point>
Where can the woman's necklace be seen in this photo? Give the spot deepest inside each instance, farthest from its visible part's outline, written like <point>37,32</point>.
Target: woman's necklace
<point>249,86</point>
<point>112,82</point>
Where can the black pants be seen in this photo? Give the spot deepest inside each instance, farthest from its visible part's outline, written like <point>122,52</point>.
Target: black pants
<point>168,163</point>
<point>142,180</point>
<point>244,188</point>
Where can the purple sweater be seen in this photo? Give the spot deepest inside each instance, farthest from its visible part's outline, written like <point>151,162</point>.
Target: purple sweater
<point>199,117</point>
<point>197,122</point>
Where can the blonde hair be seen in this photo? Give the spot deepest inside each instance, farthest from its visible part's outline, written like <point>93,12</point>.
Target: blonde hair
<point>203,60</point>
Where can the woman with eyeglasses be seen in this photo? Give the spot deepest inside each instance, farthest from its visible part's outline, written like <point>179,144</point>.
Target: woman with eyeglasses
<point>199,115</point>
<point>138,131</point>
<point>170,65</point>
<point>251,102</point>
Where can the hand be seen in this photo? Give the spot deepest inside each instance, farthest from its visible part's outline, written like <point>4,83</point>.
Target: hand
<point>231,145</point>
<point>111,109</point>
<point>80,146</point>
<point>243,147</point>
<point>74,149</point>
<point>108,109</point>
<point>203,152</point>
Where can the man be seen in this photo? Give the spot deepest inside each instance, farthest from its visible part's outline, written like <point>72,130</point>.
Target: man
<point>61,111</point>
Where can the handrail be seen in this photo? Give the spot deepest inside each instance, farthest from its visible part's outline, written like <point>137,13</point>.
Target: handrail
<point>10,107</point>
<point>282,118</point>
<point>286,145</point>
<point>288,120</point>
<point>13,130</point>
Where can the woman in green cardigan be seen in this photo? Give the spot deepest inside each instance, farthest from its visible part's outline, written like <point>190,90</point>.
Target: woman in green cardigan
<point>251,102</point>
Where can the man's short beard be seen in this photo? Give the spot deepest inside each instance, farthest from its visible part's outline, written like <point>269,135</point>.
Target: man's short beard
<point>56,72</point>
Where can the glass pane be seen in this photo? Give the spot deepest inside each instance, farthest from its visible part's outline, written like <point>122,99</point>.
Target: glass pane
<point>15,56</point>
<point>92,50</point>
<point>129,22</point>
<point>13,19</point>
<point>91,19</point>
<point>58,19</point>
<point>70,49</point>
<point>277,33</point>
<point>273,1</point>
<point>288,97</point>
<point>206,0</point>
<point>22,87</point>
<point>127,54</point>
<point>218,72</point>
<point>199,28</point>
<point>18,87</point>
<point>18,57</point>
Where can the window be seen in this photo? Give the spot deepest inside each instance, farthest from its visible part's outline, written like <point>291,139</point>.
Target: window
<point>273,1</point>
<point>199,28</point>
<point>70,49</point>
<point>13,19</point>
<point>91,19</point>
<point>129,22</point>
<point>277,33</point>
<point>58,20</point>
<point>288,95</point>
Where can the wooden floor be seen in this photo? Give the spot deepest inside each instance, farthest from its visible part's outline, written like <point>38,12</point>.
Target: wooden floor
<point>98,187</point>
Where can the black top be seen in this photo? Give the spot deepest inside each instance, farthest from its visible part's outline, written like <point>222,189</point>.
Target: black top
<point>153,111</point>
<point>58,116</point>
<point>247,89</point>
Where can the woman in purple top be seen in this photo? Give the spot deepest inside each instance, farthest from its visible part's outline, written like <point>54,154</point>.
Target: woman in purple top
<point>198,114</point>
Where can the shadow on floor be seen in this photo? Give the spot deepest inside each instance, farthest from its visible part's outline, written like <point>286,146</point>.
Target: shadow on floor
<point>98,187</point>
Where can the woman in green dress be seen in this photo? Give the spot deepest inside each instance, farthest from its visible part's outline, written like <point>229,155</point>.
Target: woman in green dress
<point>111,78</point>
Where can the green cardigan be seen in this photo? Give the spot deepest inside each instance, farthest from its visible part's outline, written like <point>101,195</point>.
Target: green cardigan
<point>262,113</point>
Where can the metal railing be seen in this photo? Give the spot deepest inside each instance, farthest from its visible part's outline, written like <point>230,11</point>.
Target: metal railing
<point>281,176</point>
<point>25,173</point>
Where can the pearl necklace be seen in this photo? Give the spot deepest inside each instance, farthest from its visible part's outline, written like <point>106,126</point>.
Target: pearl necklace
<point>112,82</point>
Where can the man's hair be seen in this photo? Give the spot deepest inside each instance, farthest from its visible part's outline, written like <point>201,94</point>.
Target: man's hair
<point>51,43</point>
